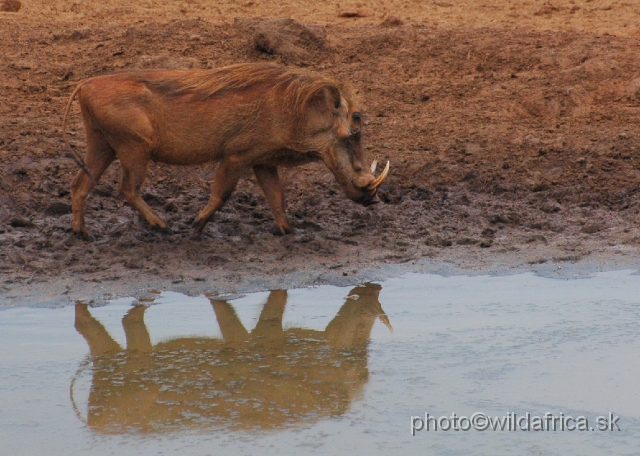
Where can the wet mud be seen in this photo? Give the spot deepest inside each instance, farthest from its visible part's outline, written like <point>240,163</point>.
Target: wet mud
<point>508,145</point>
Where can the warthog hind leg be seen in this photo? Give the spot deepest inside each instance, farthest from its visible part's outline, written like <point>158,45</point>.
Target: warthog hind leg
<point>99,340</point>
<point>135,330</point>
<point>99,156</point>
<point>134,170</point>
<point>269,181</point>
<point>225,179</point>
<point>269,329</point>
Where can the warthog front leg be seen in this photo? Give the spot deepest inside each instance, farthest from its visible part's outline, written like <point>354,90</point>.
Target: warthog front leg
<point>225,179</point>
<point>269,181</point>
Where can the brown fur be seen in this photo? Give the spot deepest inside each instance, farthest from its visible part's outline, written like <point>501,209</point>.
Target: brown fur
<point>297,87</point>
<point>257,116</point>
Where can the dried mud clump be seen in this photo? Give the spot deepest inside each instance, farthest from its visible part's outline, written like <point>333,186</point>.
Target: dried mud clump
<point>10,6</point>
<point>166,62</point>
<point>392,21</point>
<point>356,14</point>
<point>290,39</point>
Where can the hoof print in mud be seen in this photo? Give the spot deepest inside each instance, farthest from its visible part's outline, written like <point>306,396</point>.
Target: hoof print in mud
<point>10,6</point>
<point>57,209</point>
<point>21,222</point>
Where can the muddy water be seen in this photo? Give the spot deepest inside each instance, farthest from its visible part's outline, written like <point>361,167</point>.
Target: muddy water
<point>327,370</point>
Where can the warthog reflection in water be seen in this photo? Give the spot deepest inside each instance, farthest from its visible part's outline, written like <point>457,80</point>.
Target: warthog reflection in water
<point>268,378</point>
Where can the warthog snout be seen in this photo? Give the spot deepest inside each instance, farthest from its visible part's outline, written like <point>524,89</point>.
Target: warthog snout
<point>368,196</point>
<point>369,200</point>
<point>369,192</point>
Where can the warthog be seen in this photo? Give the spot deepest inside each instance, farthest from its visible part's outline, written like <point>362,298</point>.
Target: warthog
<point>271,377</point>
<point>257,116</point>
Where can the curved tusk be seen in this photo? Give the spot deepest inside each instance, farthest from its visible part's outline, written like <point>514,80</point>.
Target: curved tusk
<point>374,165</point>
<point>384,319</point>
<point>380,179</point>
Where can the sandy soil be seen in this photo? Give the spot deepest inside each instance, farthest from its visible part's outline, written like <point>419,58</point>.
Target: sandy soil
<point>511,128</point>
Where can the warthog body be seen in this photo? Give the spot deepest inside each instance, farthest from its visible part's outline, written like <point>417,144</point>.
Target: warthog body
<point>247,116</point>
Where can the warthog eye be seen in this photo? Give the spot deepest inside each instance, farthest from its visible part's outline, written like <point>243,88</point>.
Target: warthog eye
<point>356,117</point>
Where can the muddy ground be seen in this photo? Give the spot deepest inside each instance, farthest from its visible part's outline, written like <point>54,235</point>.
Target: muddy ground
<point>512,131</point>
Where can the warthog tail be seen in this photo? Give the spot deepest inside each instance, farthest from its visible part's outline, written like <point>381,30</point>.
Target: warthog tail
<point>77,158</point>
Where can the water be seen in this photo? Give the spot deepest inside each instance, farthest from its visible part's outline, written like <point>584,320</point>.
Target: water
<point>320,371</point>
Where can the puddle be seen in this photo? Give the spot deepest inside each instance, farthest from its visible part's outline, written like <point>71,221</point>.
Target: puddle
<point>327,370</point>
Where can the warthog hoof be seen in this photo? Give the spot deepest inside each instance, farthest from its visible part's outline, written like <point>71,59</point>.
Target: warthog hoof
<point>165,230</point>
<point>84,235</point>
<point>283,231</point>
<point>196,234</point>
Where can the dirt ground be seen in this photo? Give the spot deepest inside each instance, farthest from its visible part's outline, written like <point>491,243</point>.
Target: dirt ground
<point>511,128</point>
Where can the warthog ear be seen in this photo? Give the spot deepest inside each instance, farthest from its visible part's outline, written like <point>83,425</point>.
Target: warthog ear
<point>321,108</point>
<point>326,97</point>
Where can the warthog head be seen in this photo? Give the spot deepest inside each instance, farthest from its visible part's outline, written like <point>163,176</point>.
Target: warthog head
<point>336,121</point>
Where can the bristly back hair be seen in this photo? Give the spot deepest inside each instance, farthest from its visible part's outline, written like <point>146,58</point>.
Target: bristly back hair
<point>298,87</point>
